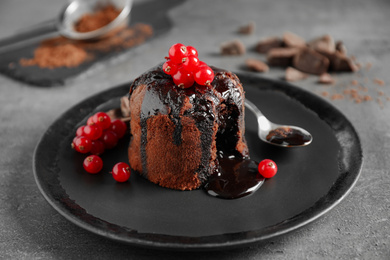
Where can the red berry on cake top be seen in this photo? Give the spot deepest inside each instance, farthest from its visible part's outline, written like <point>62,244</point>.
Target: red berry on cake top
<point>185,67</point>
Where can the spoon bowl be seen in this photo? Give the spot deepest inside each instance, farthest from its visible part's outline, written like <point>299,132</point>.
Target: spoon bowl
<point>279,135</point>
<point>76,9</point>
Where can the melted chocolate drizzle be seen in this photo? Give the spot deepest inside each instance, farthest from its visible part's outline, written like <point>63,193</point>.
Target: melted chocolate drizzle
<point>287,136</point>
<point>234,178</point>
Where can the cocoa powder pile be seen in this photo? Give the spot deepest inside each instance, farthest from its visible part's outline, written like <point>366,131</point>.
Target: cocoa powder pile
<point>62,52</point>
<point>103,16</point>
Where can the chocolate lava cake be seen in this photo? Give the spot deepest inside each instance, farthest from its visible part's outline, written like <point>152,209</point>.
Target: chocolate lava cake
<point>177,134</point>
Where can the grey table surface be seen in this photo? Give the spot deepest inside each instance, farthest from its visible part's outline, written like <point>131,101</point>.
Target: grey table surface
<point>357,228</point>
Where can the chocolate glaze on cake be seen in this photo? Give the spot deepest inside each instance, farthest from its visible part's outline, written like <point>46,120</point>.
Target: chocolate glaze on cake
<point>177,133</point>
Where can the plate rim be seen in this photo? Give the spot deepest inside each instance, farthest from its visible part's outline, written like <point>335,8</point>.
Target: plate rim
<point>159,241</point>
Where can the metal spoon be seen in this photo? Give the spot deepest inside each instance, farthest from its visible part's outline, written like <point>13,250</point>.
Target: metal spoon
<point>280,135</point>
<point>64,24</point>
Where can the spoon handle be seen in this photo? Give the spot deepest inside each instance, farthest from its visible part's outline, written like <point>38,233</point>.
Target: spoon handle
<point>252,107</point>
<point>26,36</point>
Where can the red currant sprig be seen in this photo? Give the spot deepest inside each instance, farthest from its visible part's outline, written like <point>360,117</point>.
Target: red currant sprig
<point>99,134</point>
<point>185,67</point>
<point>267,168</point>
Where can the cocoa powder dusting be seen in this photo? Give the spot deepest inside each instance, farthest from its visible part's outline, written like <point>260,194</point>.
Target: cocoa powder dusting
<point>62,52</point>
<point>101,17</point>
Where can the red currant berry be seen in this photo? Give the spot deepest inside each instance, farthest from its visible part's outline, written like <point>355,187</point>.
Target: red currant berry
<point>110,139</point>
<point>82,144</point>
<point>204,75</point>
<point>97,147</point>
<point>80,131</point>
<point>93,164</point>
<point>121,172</point>
<point>102,120</point>
<point>169,67</point>
<point>192,51</point>
<point>191,63</point>
<point>90,121</point>
<point>119,127</point>
<point>267,168</point>
<point>183,78</point>
<point>177,53</point>
<point>93,132</point>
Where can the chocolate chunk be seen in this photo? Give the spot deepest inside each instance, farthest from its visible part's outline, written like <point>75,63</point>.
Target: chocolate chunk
<point>292,74</point>
<point>235,47</point>
<point>256,65</point>
<point>325,78</point>
<point>264,45</point>
<point>310,61</point>
<point>247,29</point>
<point>340,62</point>
<point>281,56</point>
<point>340,47</point>
<point>292,40</point>
<point>324,43</point>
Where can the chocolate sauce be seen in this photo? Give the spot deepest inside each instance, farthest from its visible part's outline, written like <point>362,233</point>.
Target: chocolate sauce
<point>234,178</point>
<point>287,136</point>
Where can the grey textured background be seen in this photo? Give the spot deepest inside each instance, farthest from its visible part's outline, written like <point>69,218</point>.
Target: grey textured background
<point>358,228</point>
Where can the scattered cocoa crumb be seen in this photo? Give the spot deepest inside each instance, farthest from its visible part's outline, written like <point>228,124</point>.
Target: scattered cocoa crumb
<point>256,65</point>
<point>368,66</point>
<point>381,93</point>
<point>325,78</point>
<point>354,82</point>
<point>247,29</point>
<point>235,47</point>
<point>325,94</point>
<point>337,96</point>
<point>379,82</point>
<point>292,74</point>
<point>367,98</point>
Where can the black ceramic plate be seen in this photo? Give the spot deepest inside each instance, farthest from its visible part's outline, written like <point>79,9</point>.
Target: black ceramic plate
<point>310,181</point>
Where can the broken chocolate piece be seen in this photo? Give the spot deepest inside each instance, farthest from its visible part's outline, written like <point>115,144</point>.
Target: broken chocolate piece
<point>340,62</point>
<point>325,78</point>
<point>292,40</point>
<point>247,29</point>
<point>281,56</point>
<point>292,74</point>
<point>256,65</point>
<point>324,43</point>
<point>264,45</point>
<point>235,47</point>
<point>310,61</point>
<point>340,47</point>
